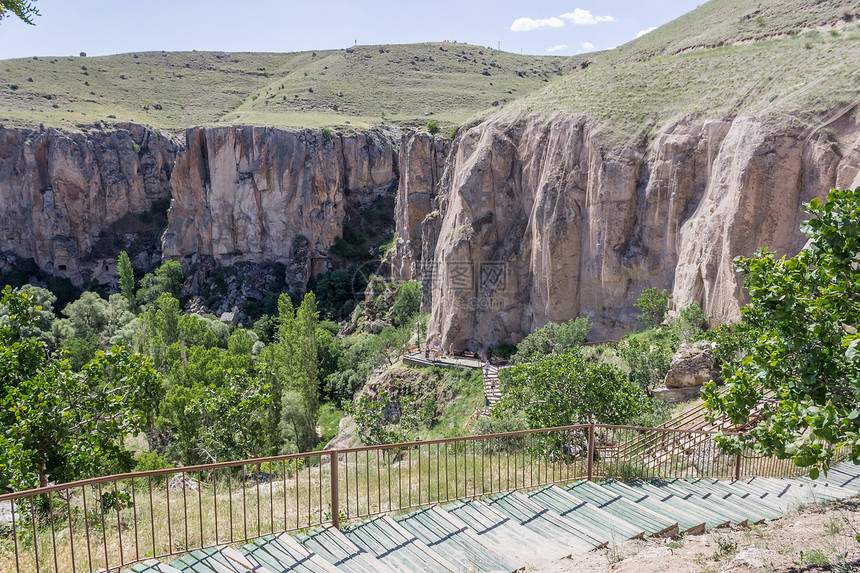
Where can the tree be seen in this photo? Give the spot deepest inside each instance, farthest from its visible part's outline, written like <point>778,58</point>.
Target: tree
<point>653,306</point>
<point>553,337</point>
<point>23,9</point>
<point>61,422</point>
<point>126,279</point>
<point>566,389</point>
<point>384,419</point>
<point>407,303</point>
<point>804,352</point>
<point>167,278</point>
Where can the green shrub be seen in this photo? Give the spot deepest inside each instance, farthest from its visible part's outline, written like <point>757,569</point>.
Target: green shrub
<point>433,126</point>
<point>653,306</point>
<point>407,303</point>
<point>326,133</point>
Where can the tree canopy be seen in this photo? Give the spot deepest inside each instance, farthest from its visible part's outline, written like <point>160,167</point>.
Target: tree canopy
<point>567,389</point>
<point>23,9</point>
<point>803,359</point>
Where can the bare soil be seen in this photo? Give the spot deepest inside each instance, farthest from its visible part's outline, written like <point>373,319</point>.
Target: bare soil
<point>818,537</point>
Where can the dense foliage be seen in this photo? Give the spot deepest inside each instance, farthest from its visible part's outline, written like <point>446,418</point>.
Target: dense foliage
<point>74,385</point>
<point>553,337</point>
<point>804,350</point>
<point>565,389</point>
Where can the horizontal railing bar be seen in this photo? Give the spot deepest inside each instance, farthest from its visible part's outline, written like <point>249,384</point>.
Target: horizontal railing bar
<point>318,454</point>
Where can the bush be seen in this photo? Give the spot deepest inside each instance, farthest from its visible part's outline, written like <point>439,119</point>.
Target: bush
<point>433,126</point>
<point>553,337</point>
<point>407,303</point>
<point>326,133</point>
<point>653,306</point>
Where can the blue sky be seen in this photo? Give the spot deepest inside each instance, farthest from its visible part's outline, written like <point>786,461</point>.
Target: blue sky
<point>542,27</point>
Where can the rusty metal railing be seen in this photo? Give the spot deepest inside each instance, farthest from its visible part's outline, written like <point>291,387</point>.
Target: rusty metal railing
<point>115,521</point>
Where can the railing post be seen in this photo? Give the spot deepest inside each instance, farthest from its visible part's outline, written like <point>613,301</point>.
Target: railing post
<point>590,451</point>
<point>738,467</point>
<point>335,501</point>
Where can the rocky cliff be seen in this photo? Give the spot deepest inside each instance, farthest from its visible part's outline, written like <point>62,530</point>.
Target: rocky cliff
<point>72,201</point>
<point>263,195</point>
<point>538,222</point>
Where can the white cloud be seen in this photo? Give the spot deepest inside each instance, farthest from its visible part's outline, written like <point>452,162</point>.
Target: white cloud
<point>580,17</point>
<point>643,32</point>
<point>558,48</point>
<point>529,24</point>
<point>587,47</point>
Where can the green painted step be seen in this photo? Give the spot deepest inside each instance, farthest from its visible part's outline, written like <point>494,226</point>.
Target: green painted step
<point>712,518</point>
<point>282,553</point>
<point>688,522</point>
<point>339,551</point>
<point>685,493</point>
<point>150,566</point>
<point>807,492</point>
<point>724,500</point>
<point>829,487</point>
<point>386,540</point>
<point>497,530</point>
<point>783,490</point>
<point>744,501</point>
<point>754,495</point>
<point>454,540</point>
<point>652,523</point>
<point>542,521</point>
<point>208,561</point>
<point>586,515</point>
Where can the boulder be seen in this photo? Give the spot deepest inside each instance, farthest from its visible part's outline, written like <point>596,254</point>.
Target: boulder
<point>692,365</point>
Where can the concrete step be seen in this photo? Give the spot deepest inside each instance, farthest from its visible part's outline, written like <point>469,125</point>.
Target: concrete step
<point>284,553</point>
<point>456,541</point>
<point>542,521</point>
<point>498,530</point>
<point>396,547</point>
<point>586,515</point>
<point>653,524</point>
<point>688,521</point>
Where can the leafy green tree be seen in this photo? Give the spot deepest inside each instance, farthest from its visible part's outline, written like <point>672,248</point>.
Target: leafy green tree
<point>292,361</point>
<point>565,389</point>
<point>60,422</point>
<point>804,314</point>
<point>233,418</point>
<point>407,303</point>
<point>167,279</point>
<point>653,306</point>
<point>553,337</point>
<point>23,9</point>
<point>648,358</point>
<point>432,126</point>
<point>43,314</point>
<point>385,419</point>
<point>161,326</point>
<point>88,315</point>
<point>126,279</point>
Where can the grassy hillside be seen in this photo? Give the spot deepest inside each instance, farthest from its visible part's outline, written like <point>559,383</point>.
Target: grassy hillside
<point>794,59</point>
<point>360,86</point>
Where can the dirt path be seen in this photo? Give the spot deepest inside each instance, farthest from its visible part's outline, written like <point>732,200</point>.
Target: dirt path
<point>814,538</point>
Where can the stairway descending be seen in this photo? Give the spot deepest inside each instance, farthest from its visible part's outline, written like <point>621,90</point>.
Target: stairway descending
<point>492,394</point>
<point>507,532</point>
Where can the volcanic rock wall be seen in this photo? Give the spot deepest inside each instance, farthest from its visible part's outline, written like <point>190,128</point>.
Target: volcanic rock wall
<point>59,192</point>
<point>261,195</point>
<point>536,222</point>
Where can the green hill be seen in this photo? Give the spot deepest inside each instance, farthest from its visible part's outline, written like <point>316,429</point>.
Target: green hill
<point>793,59</point>
<point>360,86</point>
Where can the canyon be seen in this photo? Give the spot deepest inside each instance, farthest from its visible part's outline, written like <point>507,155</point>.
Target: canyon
<point>520,220</point>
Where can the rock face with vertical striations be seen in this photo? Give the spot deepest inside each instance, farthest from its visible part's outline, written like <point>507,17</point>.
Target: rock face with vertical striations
<point>261,195</point>
<point>64,196</point>
<point>538,222</point>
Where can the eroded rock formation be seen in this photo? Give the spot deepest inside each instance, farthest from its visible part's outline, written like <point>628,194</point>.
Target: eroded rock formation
<point>537,222</point>
<point>60,193</point>
<point>262,195</point>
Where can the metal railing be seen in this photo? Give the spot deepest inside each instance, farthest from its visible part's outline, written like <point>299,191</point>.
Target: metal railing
<point>112,522</point>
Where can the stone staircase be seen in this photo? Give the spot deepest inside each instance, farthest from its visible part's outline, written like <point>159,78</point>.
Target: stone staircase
<point>509,531</point>
<point>492,394</point>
